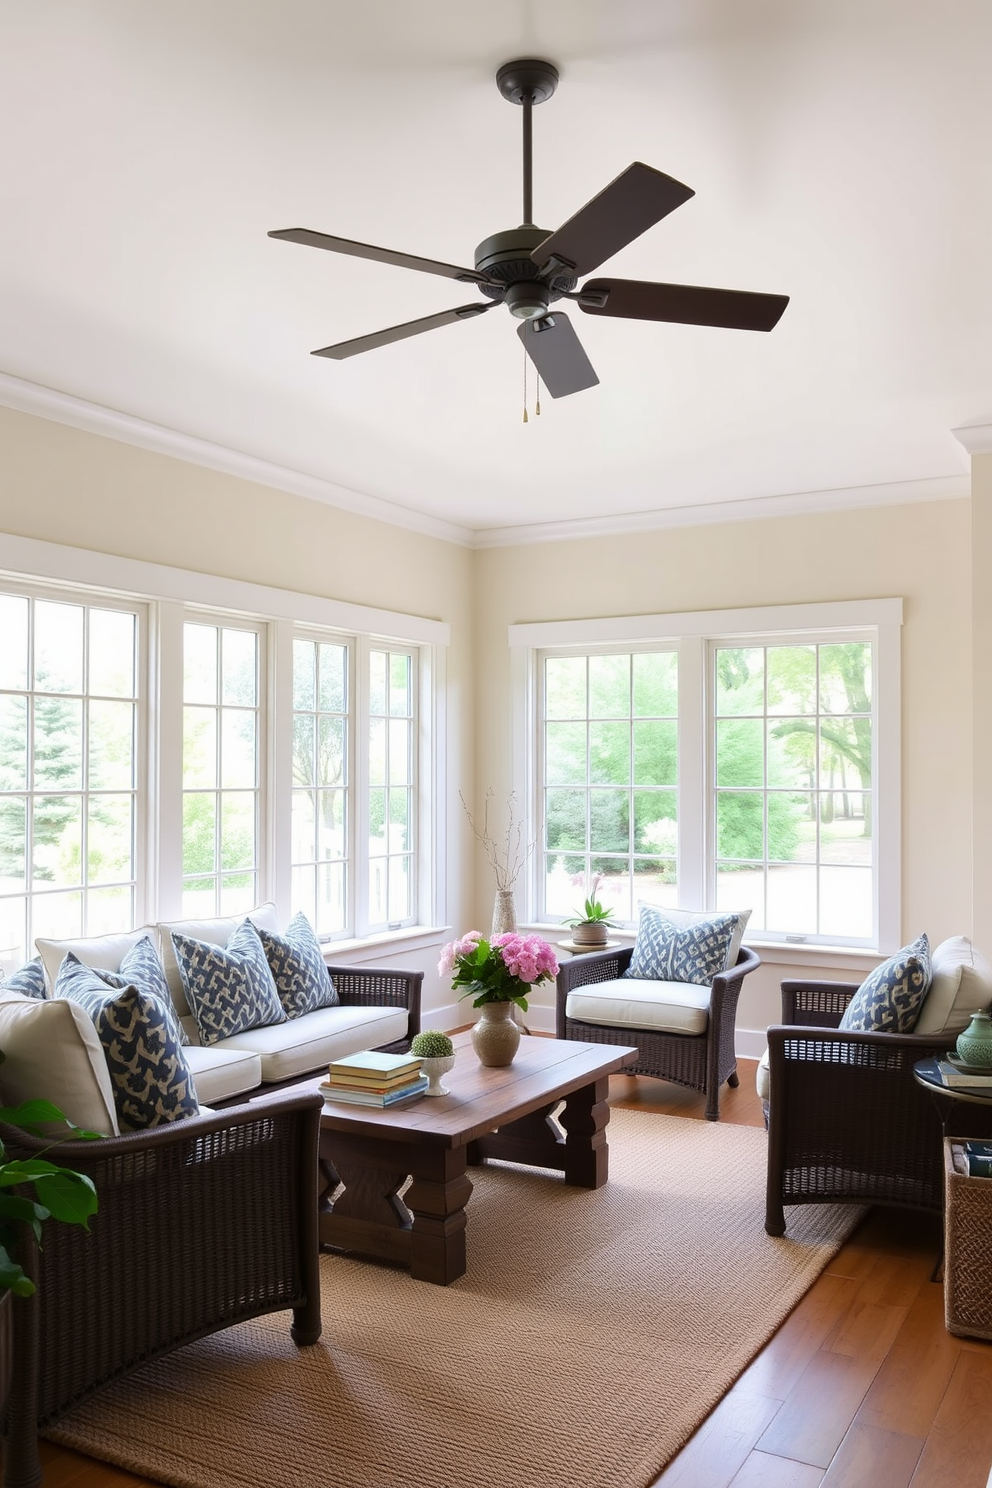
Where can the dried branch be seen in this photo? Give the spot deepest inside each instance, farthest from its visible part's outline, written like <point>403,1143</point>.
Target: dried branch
<point>508,854</point>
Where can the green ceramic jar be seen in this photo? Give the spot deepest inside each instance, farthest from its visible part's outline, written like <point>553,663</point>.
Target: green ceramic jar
<point>974,1046</point>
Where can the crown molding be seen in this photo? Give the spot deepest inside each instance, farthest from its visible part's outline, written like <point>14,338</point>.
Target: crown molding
<point>976,438</point>
<point>753,509</point>
<point>94,418</point>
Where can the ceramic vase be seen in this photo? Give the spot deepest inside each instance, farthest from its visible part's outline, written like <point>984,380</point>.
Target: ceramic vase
<point>496,1035</point>
<point>434,1069</point>
<point>974,1046</point>
<point>504,913</point>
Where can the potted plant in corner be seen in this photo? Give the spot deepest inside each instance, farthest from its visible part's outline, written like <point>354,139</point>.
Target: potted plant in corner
<point>590,928</point>
<point>436,1053</point>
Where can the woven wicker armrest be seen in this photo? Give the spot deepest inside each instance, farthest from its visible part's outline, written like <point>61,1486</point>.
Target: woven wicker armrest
<point>818,1004</point>
<point>201,1224</point>
<point>380,986</point>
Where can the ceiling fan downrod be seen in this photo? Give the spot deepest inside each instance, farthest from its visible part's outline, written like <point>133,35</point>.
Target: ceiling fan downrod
<point>527,82</point>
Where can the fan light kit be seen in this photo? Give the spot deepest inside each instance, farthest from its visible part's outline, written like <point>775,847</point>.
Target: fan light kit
<point>528,269</point>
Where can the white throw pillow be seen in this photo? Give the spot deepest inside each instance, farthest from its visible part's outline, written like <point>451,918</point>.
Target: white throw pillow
<point>104,952</point>
<point>52,1052</point>
<point>214,932</point>
<point>684,917</point>
<point>961,985</point>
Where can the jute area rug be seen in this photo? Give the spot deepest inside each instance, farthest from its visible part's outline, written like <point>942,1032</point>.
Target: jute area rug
<point>591,1334</point>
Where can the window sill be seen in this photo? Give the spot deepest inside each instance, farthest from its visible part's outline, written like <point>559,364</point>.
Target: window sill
<point>410,938</point>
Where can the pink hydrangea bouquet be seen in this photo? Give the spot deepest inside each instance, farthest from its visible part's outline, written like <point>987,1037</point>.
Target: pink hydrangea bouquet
<point>500,970</point>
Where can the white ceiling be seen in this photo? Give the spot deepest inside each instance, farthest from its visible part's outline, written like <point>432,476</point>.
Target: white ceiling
<point>840,152</point>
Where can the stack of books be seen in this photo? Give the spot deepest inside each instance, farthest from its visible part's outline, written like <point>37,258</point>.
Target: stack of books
<point>956,1078</point>
<point>374,1079</point>
<point>978,1156</point>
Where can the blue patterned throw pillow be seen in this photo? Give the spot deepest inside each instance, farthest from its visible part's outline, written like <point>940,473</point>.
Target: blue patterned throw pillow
<point>229,988</point>
<point>29,980</point>
<point>297,965</point>
<point>148,1071</point>
<point>141,968</point>
<point>890,997</point>
<point>666,952</point>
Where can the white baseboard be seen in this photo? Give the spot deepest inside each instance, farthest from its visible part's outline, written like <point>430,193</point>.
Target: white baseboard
<point>750,1043</point>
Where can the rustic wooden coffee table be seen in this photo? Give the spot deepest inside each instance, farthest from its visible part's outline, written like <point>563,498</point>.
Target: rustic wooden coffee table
<point>502,1113</point>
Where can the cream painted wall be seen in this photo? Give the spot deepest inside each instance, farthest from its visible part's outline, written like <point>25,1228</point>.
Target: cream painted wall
<point>917,552</point>
<point>60,485</point>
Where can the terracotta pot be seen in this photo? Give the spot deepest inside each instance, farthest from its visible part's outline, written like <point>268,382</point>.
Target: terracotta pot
<point>496,1035</point>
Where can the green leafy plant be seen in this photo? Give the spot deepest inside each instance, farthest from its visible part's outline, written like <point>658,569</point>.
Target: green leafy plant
<point>593,913</point>
<point>431,1044</point>
<point>60,1193</point>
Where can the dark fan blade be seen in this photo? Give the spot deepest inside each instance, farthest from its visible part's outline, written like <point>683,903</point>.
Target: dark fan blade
<point>690,304</point>
<point>400,332</point>
<point>381,255</point>
<point>638,198</point>
<point>556,352</point>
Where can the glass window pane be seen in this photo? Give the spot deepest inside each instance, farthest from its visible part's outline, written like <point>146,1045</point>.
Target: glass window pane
<point>14,651</point>
<point>609,753</point>
<point>740,752</point>
<point>13,742</point>
<point>237,893</point>
<point>792,828</point>
<point>565,753</point>
<point>565,687</point>
<point>377,821</point>
<point>377,752</point>
<point>845,753</point>
<point>57,916</point>
<point>399,685</point>
<point>656,753</point>
<point>13,935</point>
<point>199,833</point>
<point>58,742</point>
<point>238,754</point>
<point>656,684</point>
<point>738,889</point>
<point>304,827</point>
<point>109,909</point>
<point>654,883</point>
<point>199,663</point>
<point>740,824</point>
<point>303,892</point>
<point>304,674</point>
<point>239,651</point>
<point>58,646</point>
<point>656,830</point>
<point>791,679</point>
<point>399,888</point>
<point>112,655</point>
<point>332,910</point>
<point>111,745</point>
<point>377,682</point>
<point>609,829</point>
<point>378,890</point>
<point>304,757</point>
<point>331,751</point>
<point>199,747</point>
<point>792,899</point>
<point>792,753</point>
<point>565,878</point>
<point>399,820</point>
<point>13,843</point>
<point>110,839</point>
<point>331,834</point>
<point>846,677</point>
<point>333,677</point>
<point>740,680</point>
<point>845,828</point>
<point>609,686</point>
<point>237,833</point>
<point>399,752</point>
<point>565,821</point>
<point>58,840</point>
<point>846,902</point>
<point>613,893</point>
<point>199,898</point>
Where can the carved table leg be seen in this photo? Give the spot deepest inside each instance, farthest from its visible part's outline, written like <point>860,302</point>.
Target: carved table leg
<point>367,1215</point>
<point>584,1118</point>
<point>437,1198</point>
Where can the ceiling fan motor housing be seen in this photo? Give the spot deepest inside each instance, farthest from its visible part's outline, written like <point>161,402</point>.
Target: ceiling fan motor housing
<point>506,258</point>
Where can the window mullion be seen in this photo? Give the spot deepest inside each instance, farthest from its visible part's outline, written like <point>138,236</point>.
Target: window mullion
<point>165,733</point>
<point>696,876</point>
<point>277,793</point>
<point>358,740</point>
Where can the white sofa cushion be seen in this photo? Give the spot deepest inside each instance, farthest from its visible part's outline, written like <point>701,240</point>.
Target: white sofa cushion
<point>102,952</point>
<point>961,985</point>
<point>303,1044</point>
<point>632,1002</point>
<point>219,1073</point>
<point>762,1076</point>
<point>215,932</point>
<point>52,1052</point>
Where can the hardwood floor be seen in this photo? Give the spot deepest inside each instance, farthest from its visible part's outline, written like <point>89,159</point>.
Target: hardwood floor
<point>861,1387</point>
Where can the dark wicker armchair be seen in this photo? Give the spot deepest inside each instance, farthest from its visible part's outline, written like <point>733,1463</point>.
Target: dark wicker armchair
<point>847,1121</point>
<point>699,1061</point>
<point>202,1224</point>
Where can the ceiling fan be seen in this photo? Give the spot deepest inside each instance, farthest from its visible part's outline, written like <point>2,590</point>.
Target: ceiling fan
<point>528,268</point>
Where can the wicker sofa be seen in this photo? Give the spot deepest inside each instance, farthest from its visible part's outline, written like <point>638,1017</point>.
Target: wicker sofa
<point>144,1280</point>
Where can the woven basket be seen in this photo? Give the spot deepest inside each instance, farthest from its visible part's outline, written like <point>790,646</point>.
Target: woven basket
<point>967,1247</point>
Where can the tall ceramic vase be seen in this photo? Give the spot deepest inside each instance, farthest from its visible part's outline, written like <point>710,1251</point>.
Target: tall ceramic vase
<point>504,913</point>
<point>496,1035</point>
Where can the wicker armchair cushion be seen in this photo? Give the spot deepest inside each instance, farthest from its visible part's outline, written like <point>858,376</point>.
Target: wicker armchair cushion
<point>29,980</point>
<point>151,1080</point>
<point>961,985</point>
<point>663,1007</point>
<point>298,968</point>
<point>52,1053</point>
<point>230,988</point>
<point>666,950</point>
<point>762,1077</point>
<point>890,997</point>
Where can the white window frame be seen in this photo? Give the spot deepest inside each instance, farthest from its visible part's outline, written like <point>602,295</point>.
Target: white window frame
<point>692,634</point>
<point>171,596</point>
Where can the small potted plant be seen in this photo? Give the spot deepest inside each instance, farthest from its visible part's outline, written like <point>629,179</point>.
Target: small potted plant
<point>436,1053</point>
<point>591,927</point>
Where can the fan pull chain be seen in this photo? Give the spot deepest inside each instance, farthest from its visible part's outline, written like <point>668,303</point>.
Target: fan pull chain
<point>525,386</point>
<point>537,404</point>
